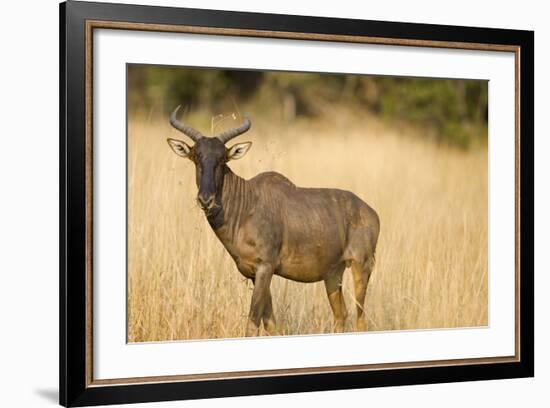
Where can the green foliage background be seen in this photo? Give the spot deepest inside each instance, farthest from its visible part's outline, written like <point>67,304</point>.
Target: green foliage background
<point>449,111</point>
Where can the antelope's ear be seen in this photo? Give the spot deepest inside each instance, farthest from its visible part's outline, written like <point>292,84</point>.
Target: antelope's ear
<point>179,147</point>
<point>237,151</point>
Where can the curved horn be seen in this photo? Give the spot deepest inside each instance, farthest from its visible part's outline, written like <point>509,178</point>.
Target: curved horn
<point>231,133</point>
<point>195,135</point>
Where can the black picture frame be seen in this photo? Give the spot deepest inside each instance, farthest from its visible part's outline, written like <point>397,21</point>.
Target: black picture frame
<point>75,389</point>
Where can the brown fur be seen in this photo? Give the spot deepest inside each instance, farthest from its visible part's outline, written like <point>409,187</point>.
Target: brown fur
<point>271,227</point>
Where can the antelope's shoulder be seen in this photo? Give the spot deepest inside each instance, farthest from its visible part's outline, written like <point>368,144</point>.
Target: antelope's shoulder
<point>272,178</point>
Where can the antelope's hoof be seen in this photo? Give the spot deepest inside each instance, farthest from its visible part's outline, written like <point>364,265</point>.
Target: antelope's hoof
<point>270,328</point>
<point>361,325</point>
<point>339,328</point>
<point>252,330</point>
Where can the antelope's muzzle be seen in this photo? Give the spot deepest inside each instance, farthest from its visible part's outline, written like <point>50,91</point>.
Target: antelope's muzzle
<point>206,201</point>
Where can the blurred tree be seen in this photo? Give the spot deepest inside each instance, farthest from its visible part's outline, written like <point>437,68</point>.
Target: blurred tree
<point>198,88</point>
<point>454,111</point>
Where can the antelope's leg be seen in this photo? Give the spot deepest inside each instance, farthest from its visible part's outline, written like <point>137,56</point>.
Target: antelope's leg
<point>270,325</point>
<point>333,285</point>
<point>262,281</point>
<point>361,275</point>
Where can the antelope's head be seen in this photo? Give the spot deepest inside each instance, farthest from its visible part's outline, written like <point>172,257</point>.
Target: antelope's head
<point>210,156</point>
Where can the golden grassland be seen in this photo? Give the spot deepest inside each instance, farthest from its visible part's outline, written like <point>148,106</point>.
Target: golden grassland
<point>431,269</point>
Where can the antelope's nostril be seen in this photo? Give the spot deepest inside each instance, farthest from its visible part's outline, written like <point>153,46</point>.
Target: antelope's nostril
<point>206,202</point>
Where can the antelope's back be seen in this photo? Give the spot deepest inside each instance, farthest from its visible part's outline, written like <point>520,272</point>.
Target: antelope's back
<point>315,223</point>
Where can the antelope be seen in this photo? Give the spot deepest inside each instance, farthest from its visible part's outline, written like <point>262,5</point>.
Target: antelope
<point>270,227</point>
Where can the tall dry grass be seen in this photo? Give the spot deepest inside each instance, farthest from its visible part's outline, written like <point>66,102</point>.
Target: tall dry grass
<point>431,269</point>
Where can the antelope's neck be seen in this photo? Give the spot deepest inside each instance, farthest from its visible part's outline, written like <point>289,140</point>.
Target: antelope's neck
<point>235,198</point>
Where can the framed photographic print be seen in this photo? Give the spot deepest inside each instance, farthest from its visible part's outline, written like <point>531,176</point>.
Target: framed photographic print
<point>255,203</point>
